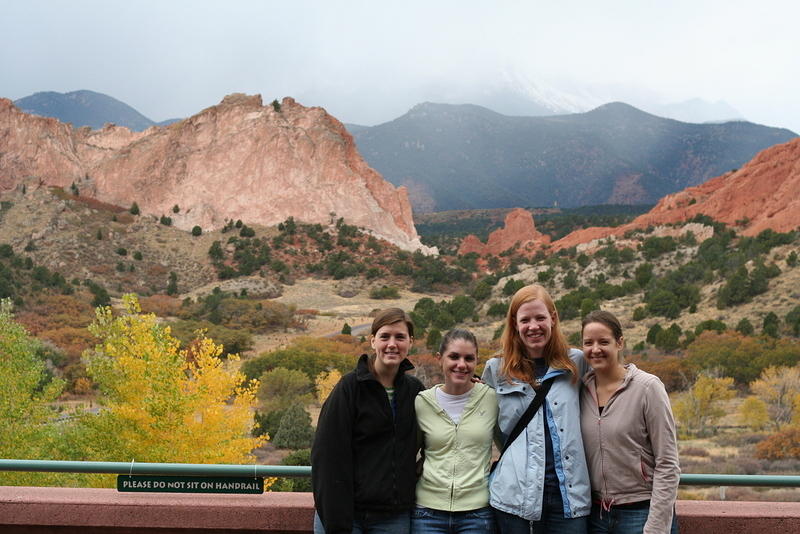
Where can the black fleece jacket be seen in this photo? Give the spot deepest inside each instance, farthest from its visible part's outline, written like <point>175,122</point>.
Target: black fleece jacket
<point>364,455</point>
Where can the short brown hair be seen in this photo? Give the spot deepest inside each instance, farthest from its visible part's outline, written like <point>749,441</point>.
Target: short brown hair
<point>391,316</point>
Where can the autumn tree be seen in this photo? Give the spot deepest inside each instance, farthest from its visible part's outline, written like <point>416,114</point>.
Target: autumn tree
<point>741,357</point>
<point>281,388</point>
<point>160,403</point>
<point>700,406</point>
<point>777,388</point>
<point>26,415</point>
<point>325,382</point>
<point>753,413</point>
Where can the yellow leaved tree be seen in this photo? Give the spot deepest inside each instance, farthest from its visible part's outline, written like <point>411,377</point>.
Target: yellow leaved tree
<point>699,407</point>
<point>160,403</point>
<point>325,383</point>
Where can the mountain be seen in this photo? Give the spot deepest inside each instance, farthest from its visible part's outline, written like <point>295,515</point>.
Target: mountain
<point>236,160</point>
<point>86,108</point>
<point>468,157</point>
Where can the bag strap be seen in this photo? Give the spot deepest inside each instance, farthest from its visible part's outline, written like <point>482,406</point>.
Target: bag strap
<point>536,403</point>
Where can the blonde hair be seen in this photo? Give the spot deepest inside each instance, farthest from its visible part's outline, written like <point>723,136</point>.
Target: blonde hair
<point>516,363</point>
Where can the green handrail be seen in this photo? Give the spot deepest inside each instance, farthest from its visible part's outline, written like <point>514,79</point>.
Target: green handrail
<point>223,470</point>
<point>143,468</point>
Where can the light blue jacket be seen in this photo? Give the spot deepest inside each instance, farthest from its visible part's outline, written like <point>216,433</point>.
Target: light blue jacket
<point>517,483</point>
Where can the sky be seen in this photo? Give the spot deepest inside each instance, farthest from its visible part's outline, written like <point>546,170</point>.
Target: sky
<point>368,62</point>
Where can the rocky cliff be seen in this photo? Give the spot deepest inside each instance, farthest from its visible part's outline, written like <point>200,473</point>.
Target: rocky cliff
<point>518,231</point>
<point>764,193</point>
<point>236,160</point>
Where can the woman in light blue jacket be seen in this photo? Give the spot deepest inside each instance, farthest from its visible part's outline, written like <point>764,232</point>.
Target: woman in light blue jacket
<point>541,484</point>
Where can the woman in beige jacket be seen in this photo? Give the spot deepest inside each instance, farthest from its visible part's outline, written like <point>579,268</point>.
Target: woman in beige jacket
<point>629,437</point>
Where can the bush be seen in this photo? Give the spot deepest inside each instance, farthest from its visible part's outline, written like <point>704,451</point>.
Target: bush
<point>122,251</point>
<point>298,457</point>
<point>166,221</point>
<point>137,256</point>
<point>134,210</point>
<point>312,356</point>
<point>497,309</point>
<point>781,445</point>
<point>745,327</point>
<point>196,231</point>
<point>384,292</point>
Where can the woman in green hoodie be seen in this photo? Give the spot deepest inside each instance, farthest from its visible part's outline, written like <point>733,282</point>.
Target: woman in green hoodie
<point>456,420</point>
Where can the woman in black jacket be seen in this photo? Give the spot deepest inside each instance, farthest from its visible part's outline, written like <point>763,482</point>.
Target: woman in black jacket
<point>365,447</point>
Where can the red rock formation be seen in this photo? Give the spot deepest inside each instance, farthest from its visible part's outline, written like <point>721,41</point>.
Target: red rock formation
<point>235,160</point>
<point>765,193</point>
<point>519,229</point>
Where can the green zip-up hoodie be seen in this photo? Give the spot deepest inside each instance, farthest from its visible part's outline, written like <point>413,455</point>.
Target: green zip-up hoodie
<point>456,469</point>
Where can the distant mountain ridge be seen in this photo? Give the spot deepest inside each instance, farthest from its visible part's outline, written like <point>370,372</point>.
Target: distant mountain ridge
<point>86,108</point>
<point>469,157</point>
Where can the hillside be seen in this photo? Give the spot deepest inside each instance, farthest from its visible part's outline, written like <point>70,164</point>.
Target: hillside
<point>467,157</point>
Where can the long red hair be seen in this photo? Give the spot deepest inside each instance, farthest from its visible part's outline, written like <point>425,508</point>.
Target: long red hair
<point>516,363</point>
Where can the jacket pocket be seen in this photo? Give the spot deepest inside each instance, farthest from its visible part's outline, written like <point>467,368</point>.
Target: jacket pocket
<point>647,468</point>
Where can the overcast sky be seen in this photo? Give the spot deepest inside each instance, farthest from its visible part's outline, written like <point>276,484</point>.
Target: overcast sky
<point>368,61</point>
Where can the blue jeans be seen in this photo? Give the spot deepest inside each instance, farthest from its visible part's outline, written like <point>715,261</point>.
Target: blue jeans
<point>429,521</point>
<point>374,524</point>
<point>552,521</point>
<point>622,521</point>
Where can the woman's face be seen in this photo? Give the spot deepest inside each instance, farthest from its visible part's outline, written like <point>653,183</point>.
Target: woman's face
<point>391,343</point>
<point>534,326</point>
<point>458,365</point>
<point>600,348</point>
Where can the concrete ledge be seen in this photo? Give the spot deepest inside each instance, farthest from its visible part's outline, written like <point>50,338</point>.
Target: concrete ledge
<point>92,511</point>
<point>731,517</point>
<point>67,510</point>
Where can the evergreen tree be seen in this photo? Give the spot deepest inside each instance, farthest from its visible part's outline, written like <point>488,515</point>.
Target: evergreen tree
<point>745,327</point>
<point>295,430</point>
<point>172,285</point>
<point>770,325</point>
<point>134,209</point>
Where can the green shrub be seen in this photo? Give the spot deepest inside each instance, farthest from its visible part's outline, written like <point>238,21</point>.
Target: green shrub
<point>384,292</point>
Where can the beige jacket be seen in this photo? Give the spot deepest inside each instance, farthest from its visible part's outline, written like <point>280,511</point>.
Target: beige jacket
<point>631,448</point>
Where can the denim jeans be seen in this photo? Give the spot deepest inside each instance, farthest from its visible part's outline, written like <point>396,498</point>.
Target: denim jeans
<point>374,524</point>
<point>429,521</point>
<point>551,522</point>
<point>622,521</point>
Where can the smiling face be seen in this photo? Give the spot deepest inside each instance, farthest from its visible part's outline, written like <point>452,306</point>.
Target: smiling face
<point>600,348</point>
<point>534,325</point>
<point>391,343</point>
<point>458,365</point>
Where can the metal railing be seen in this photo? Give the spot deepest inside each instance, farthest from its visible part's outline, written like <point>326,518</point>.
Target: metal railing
<point>223,470</point>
